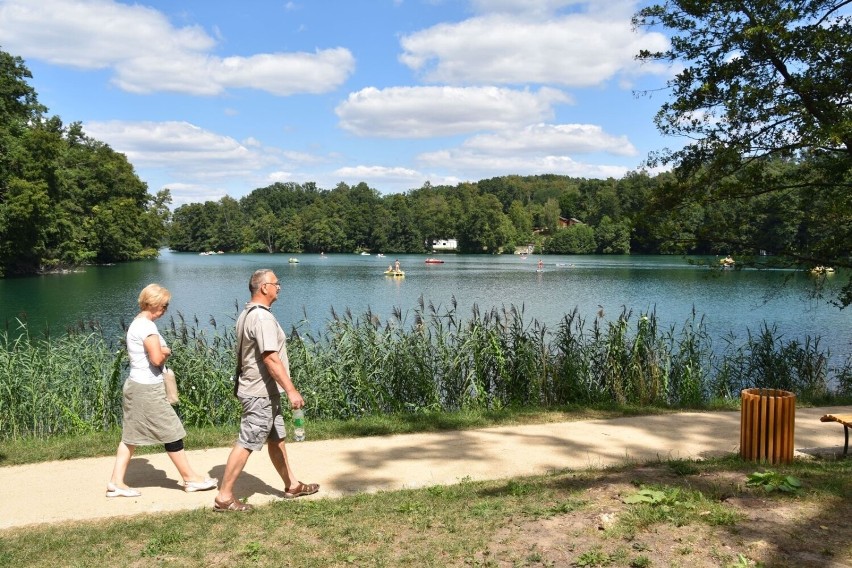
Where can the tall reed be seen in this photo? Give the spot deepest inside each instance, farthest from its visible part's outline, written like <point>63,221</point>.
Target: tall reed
<point>54,385</point>
<point>420,361</point>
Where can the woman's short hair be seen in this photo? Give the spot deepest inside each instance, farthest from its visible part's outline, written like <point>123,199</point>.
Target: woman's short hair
<point>153,296</point>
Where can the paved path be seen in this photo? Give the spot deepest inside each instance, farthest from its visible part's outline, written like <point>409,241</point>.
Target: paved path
<point>74,490</point>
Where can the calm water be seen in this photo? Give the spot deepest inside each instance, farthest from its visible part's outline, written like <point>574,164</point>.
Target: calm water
<point>212,286</point>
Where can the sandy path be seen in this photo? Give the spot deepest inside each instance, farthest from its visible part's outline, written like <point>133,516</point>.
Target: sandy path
<point>74,490</point>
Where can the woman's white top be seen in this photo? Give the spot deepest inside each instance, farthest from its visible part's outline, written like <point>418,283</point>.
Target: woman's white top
<point>141,369</point>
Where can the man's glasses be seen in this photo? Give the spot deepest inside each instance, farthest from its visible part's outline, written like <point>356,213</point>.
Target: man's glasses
<point>276,284</point>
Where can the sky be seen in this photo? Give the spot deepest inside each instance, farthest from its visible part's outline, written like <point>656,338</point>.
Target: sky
<point>215,97</point>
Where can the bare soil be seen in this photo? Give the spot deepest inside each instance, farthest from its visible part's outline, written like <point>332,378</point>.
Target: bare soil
<point>775,529</point>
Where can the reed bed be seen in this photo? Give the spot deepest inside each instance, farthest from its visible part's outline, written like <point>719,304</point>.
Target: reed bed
<point>422,361</point>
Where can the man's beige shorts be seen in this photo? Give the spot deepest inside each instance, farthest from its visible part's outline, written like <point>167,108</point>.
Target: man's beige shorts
<point>261,421</point>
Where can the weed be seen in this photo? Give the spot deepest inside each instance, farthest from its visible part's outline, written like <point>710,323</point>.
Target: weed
<point>252,551</point>
<point>160,542</point>
<point>741,562</point>
<point>591,558</point>
<point>772,481</point>
<point>682,467</point>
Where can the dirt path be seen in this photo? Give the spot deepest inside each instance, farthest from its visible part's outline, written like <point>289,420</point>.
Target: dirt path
<point>74,490</point>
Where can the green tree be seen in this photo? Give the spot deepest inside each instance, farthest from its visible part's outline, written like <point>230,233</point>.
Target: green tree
<point>550,215</point>
<point>762,81</point>
<point>485,227</point>
<point>402,231</point>
<point>576,239</point>
<point>521,218</point>
<point>612,237</point>
<point>155,220</point>
<point>25,218</point>
<point>19,107</point>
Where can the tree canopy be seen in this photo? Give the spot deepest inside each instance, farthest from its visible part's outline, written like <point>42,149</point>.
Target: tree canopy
<point>763,99</point>
<point>66,199</point>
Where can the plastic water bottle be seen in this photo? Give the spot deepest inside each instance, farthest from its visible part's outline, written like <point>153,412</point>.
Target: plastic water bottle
<point>299,425</point>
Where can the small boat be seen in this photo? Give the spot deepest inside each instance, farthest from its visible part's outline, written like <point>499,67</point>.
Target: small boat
<point>365,253</point>
<point>293,261</point>
<point>822,270</point>
<point>727,262</point>
<point>434,261</point>
<point>380,255</point>
<point>395,273</point>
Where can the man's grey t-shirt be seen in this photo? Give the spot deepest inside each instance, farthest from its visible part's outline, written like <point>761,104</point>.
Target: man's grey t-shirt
<point>261,333</point>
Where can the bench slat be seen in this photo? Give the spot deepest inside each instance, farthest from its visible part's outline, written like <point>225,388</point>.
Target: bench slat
<point>845,419</point>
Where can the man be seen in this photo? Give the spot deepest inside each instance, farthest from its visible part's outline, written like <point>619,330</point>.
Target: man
<point>263,374</point>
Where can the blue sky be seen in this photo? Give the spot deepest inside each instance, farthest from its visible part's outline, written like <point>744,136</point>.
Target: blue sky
<point>216,97</point>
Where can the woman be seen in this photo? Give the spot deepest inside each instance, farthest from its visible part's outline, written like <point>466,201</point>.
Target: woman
<point>148,417</point>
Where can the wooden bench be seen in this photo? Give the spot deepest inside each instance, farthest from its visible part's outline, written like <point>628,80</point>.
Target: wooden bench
<point>846,420</point>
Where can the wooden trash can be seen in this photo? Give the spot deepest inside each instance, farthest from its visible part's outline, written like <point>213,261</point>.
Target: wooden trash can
<point>767,425</point>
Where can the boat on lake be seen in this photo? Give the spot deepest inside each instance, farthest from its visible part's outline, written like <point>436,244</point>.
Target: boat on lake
<point>822,270</point>
<point>293,261</point>
<point>434,261</point>
<point>395,273</point>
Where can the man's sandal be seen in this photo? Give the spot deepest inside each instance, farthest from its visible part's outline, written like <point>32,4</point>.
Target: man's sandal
<point>301,490</point>
<point>233,505</point>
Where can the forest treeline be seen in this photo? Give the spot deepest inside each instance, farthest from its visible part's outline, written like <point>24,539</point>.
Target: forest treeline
<point>610,216</point>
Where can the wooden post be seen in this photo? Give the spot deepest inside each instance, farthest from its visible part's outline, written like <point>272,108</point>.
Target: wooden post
<point>767,425</point>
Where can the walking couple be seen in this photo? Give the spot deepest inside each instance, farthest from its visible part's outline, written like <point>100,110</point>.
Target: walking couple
<point>263,374</point>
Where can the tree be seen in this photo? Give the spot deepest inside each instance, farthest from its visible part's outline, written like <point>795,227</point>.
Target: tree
<point>485,227</point>
<point>612,237</point>
<point>522,219</point>
<point>576,239</point>
<point>550,215</point>
<point>762,81</point>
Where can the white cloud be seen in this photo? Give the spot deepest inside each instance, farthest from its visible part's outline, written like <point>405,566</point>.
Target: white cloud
<point>423,112</point>
<point>524,6</point>
<point>174,144</point>
<point>147,53</point>
<point>551,139</point>
<point>186,193</point>
<point>194,163</point>
<point>480,165</point>
<point>535,149</point>
<point>378,173</point>
<point>577,49</point>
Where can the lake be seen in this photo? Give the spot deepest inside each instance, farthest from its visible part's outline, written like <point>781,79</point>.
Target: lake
<point>213,286</point>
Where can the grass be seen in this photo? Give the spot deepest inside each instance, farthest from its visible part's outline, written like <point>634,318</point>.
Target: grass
<point>495,523</point>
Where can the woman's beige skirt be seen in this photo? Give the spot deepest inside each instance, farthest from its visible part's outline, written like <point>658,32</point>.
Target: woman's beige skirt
<point>148,417</point>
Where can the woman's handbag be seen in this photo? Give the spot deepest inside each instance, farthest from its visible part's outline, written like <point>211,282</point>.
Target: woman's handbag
<point>171,386</point>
